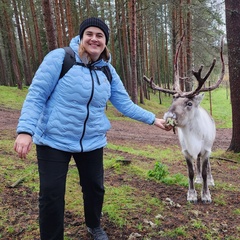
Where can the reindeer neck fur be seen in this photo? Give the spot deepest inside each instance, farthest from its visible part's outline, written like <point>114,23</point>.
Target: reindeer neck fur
<point>198,135</point>
<point>198,123</point>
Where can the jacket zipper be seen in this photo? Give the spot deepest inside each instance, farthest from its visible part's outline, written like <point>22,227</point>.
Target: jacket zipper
<point>85,121</point>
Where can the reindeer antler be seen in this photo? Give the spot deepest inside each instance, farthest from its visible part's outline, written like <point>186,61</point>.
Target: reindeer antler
<point>176,76</point>
<point>176,69</point>
<point>216,85</point>
<point>201,80</point>
<point>155,87</point>
<point>197,74</point>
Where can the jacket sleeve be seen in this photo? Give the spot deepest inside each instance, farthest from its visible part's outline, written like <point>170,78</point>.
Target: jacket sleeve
<point>43,83</point>
<point>122,102</point>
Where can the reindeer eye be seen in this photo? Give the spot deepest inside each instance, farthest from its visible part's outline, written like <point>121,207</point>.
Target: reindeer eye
<point>189,104</point>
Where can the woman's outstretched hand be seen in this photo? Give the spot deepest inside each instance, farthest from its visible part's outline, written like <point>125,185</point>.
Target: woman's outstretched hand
<point>161,123</point>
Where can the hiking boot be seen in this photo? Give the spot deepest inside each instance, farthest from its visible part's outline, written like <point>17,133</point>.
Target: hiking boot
<point>97,233</point>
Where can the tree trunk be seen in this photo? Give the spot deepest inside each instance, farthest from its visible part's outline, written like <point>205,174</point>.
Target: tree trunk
<point>167,70</point>
<point>58,17</point>
<point>49,26</point>
<point>126,54</point>
<point>181,53</point>
<point>31,54</point>
<point>37,33</point>
<point>4,61</point>
<point>69,20</point>
<point>13,48</point>
<point>25,50</point>
<point>233,40</point>
<point>122,71</point>
<point>189,83</point>
<point>133,32</point>
<point>63,23</point>
<point>112,34</point>
<point>174,34</point>
<point>3,79</point>
<point>140,52</point>
<point>88,7</point>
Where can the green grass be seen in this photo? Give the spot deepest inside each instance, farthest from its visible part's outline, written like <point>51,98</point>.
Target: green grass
<point>128,201</point>
<point>149,151</point>
<point>237,211</point>
<point>219,101</point>
<point>175,233</point>
<point>220,200</point>
<point>197,223</point>
<point>154,170</point>
<point>227,155</point>
<point>12,97</point>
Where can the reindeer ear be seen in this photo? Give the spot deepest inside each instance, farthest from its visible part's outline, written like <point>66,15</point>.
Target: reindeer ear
<point>198,98</point>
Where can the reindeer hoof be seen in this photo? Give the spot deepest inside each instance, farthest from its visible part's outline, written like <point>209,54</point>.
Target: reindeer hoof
<point>206,201</point>
<point>206,197</point>
<point>192,196</point>
<point>192,201</point>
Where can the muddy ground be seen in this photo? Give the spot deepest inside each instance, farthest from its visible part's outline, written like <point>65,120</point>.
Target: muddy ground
<point>219,218</point>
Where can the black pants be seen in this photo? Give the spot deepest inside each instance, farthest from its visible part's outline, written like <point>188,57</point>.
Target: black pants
<point>53,168</point>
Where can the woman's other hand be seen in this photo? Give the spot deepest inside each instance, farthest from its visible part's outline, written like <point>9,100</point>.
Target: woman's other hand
<point>23,144</point>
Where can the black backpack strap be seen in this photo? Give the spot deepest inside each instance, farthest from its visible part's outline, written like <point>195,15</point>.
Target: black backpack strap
<point>104,69</point>
<point>68,62</point>
<point>107,72</point>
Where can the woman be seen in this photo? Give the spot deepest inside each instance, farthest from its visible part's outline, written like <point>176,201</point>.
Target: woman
<point>66,118</point>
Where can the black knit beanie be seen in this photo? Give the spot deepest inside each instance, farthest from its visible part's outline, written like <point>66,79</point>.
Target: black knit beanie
<point>94,22</point>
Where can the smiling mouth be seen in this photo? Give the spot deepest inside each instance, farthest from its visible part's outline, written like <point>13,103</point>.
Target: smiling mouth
<point>94,45</point>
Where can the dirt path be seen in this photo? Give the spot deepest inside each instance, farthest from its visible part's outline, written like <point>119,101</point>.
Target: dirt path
<point>139,133</point>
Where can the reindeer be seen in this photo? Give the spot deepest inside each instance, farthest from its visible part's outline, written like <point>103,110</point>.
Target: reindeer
<point>196,128</point>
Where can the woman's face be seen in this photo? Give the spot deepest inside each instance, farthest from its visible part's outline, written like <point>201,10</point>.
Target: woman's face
<point>94,42</point>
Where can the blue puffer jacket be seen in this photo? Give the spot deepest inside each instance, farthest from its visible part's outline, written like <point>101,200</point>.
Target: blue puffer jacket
<point>69,114</point>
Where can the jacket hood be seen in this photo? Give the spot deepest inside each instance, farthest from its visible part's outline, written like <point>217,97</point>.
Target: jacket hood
<point>74,44</point>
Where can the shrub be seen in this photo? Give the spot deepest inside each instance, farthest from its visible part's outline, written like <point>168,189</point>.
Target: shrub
<point>159,172</point>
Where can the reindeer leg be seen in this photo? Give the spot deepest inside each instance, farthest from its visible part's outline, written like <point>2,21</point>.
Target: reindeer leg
<point>210,179</point>
<point>192,194</point>
<point>205,194</point>
<point>198,170</point>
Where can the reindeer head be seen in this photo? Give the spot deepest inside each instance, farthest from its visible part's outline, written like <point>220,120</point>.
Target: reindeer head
<point>183,110</point>
<point>186,103</point>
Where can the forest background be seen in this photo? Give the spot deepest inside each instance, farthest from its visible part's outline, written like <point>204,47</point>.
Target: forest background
<point>30,29</point>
